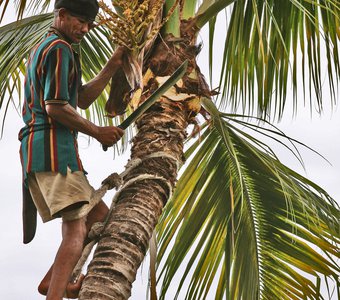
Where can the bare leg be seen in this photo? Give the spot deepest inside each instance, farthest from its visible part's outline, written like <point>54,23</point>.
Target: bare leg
<point>73,233</point>
<point>97,214</point>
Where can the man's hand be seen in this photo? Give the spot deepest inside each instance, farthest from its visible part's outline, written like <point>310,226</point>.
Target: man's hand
<point>118,55</point>
<point>108,135</point>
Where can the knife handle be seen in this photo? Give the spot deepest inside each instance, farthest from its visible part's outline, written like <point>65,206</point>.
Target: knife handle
<point>105,147</point>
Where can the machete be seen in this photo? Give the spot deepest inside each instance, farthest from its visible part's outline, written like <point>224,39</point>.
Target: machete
<point>177,75</point>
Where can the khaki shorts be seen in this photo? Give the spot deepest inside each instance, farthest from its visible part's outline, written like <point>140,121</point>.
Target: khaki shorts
<point>54,193</point>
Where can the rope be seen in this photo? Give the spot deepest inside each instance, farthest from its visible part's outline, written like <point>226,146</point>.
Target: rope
<point>116,181</point>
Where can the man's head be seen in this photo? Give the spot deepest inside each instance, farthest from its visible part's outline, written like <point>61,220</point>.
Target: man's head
<point>75,17</point>
<point>86,9</point>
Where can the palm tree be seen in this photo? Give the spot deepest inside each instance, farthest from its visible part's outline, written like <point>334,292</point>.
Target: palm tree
<point>241,224</point>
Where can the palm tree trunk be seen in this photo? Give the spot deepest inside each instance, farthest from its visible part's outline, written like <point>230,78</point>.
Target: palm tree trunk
<point>124,242</point>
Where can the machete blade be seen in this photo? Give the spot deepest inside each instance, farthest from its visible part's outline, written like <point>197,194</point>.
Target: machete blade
<point>177,75</point>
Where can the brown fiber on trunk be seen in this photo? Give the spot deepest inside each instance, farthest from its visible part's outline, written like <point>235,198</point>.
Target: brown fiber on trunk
<point>126,236</point>
<point>159,147</point>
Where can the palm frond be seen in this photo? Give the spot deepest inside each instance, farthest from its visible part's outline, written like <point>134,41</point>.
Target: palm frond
<point>16,40</point>
<point>240,221</point>
<point>209,9</point>
<point>268,43</point>
<point>24,6</point>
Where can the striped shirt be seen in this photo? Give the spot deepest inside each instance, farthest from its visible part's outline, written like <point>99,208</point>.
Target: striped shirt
<point>53,75</point>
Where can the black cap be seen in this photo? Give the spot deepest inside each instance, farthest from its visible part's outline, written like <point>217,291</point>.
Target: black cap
<point>83,8</point>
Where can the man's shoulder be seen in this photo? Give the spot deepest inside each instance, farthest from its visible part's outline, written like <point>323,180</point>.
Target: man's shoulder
<point>52,42</point>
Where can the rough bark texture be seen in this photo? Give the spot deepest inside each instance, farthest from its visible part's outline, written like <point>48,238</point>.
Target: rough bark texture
<point>161,133</point>
<point>125,239</point>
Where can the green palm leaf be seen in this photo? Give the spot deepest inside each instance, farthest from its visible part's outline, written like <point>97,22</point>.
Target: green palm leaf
<point>16,40</point>
<point>33,7</point>
<point>267,43</point>
<point>240,222</point>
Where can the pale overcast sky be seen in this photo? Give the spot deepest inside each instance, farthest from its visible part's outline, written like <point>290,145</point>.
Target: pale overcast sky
<point>23,266</point>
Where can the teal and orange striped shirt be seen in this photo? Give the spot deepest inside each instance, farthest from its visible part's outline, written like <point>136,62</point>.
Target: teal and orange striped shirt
<point>52,75</point>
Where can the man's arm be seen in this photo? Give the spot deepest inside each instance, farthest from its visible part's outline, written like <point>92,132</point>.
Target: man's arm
<point>90,91</point>
<point>69,117</point>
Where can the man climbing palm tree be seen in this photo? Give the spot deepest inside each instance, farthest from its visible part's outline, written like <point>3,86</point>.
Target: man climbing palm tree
<point>53,172</point>
<point>247,219</point>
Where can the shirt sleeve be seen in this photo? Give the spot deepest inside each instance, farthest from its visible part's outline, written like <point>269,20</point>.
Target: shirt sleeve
<point>58,66</point>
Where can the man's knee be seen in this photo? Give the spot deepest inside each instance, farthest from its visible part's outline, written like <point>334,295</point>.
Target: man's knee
<point>98,213</point>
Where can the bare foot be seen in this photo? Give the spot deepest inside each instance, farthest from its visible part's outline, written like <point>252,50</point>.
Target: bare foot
<point>73,288</point>
<point>43,287</point>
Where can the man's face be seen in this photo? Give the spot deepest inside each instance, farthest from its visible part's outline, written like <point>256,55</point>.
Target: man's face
<point>75,27</point>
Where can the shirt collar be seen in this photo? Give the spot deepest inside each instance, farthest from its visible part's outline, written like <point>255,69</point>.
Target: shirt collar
<point>60,34</point>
